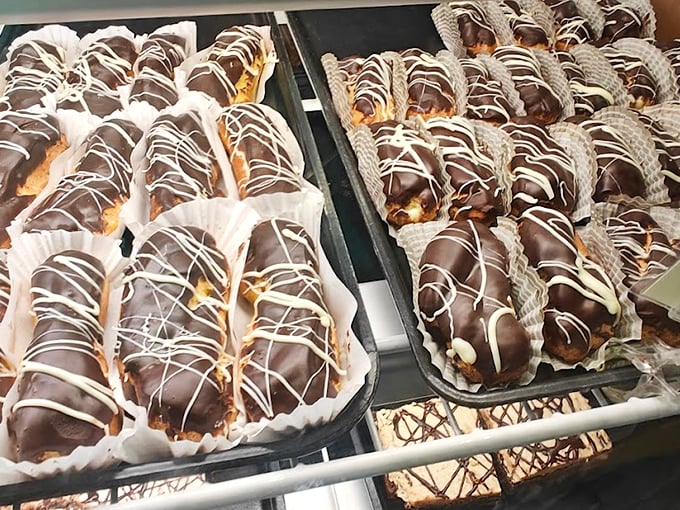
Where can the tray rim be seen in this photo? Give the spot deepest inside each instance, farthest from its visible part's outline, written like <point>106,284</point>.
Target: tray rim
<point>302,443</point>
<point>399,280</point>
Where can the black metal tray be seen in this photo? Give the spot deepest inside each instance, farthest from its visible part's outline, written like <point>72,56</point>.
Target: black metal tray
<point>282,94</point>
<point>346,32</point>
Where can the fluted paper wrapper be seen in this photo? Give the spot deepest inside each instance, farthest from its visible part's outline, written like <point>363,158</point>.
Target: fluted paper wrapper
<point>599,71</point>
<point>457,77</point>
<point>668,219</point>
<point>183,71</point>
<point>399,81</point>
<point>500,73</point>
<point>498,22</point>
<point>591,11</point>
<point>306,209</point>
<point>338,88</point>
<point>447,26</point>
<point>647,14</point>
<point>414,240</point>
<point>554,76</point>
<point>668,115</point>
<point>578,145</point>
<point>26,255</point>
<point>656,62</point>
<point>643,149</point>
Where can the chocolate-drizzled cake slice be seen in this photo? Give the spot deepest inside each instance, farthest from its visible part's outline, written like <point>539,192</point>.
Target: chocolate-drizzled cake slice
<point>452,482</point>
<point>155,70</point>
<point>91,197</point>
<point>543,173</point>
<point>646,253</point>
<point>99,70</point>
<point>372,98</point>
<point>588,96</point>
<point>29,142</point>
<point>539,99</point>
<point>35,69</point>
<point>464,297</point>
<point>583,306</point>
<point>526,31</point>
<point>430,86</point>
<point>636,77</point>
<point>172,333</point>
<point>618,173</point>
<point>258,152</point>
<point>668,151</point>
<point>485,99</point>
<point>290,355</point>
<point>409,171</point>
<point>570,27</point>
<point>64,398</point>
<point>476,32</point>
<point>477,194</point>
<point>234,66</point>
<point>523,463</point>
<point>621,21</point>
<point>182,166</point>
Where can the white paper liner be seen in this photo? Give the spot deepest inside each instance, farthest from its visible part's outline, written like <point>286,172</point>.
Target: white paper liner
<point>643,149</point>
<point>552,73</point>
<point>542,15</point>
<point>306,210</point>
<point>58,35</point>
<point>500,147</point>
<point>457,77</point>
<point>136,215</point>
<point>26,255</point>
<point>338,90</point>
<point>592,12</point>
<point>498,22</point>
<point>579,146</point>
<point>230,223</point>
<point>498,72</point>
<point>668,115</point>
<point>668,219</point>
<point>656,62</point>
<point>598,70</point>
<point>414,240</point>
<point>646,11</point>
<point>447,26</point>
<point>184,70</point>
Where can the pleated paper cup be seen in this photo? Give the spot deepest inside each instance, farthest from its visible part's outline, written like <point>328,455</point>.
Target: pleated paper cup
<point>668,115</point>
<point>554,76</point>
<point>458,79</point>
<point>447,26</point>
<point>500,73</point>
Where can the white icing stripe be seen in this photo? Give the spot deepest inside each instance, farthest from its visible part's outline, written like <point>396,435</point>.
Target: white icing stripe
<point>60,408</point>
<point>492,335</point>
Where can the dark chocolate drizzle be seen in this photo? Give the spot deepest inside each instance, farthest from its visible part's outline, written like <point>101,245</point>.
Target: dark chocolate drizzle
<point>485,98</point>
<point>101,182</point>
<point>289,356</point>
<point>464,296</point>
<point>64,397</point>
<point>430,87</point>
<point>173,329</point>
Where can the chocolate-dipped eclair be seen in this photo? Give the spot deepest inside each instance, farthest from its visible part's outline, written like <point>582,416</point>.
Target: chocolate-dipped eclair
<point>620,21</point>
<point>372,98</point>
<point>570,27</point>
<point>588,96</point>
<point>637,79</point>
<point>485,99</point>
<point>526,31</point>
<point>668,151</point>
<point>430,86</point>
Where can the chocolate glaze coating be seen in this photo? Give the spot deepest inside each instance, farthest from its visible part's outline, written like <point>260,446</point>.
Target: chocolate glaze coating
<point>290,316</point>
<point>471,169</point>
<point>181,163</point>
<point>539,99</point>
<point>668,150</point>
<point>256,146</point>
<point>64,354</point>
<point>24,134</point>
<point>464,293</point>
<point>373,90</point>
<point>526,31</point>
<point>475,30</point>
<point>485,98</point>
<point>646,253</point>
<point>618,173</point>
<point>430,87</point>
<point>582,300</point>
<point>588,96</point>
<point>571,28</point>
<point>159,56</point>
<point>408,169</point>
<point>543,173</point>
<point>101,181</point>
<point>637,78</point>
<point>620,21</point>
<point>172,330</point>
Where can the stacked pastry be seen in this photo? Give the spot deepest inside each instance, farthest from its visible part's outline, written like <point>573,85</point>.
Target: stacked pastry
<point>258,151</point>
<point>182,166</point>
<point>485,99</point>
<point>234,66</point>
<point>91,197</point>
<point>98,72</point>
<point>64,398</point>
<point>290,354</point>
<point>646,252</point>
<point>31,140</point>
<point>155,67</point>
<point>173,330</point>
<point>464,299</point>
<point>35,69</point>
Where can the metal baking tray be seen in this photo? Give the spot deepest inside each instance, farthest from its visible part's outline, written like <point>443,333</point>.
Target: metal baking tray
<point>346,32</point>
<point>282,94</point>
